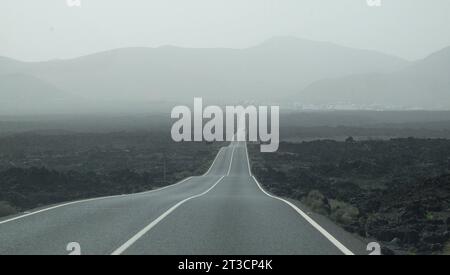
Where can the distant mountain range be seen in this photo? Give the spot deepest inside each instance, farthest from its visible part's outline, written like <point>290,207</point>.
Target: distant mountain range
<point>424,84</point>
<point>282,69</point>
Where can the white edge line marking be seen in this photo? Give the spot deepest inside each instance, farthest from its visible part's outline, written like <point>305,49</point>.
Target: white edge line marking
<point>319,228</point>
<point>107,197</point>
<point>141,233</point>
<point>212,165</point>
<point>89,200</point>
<point>56,206</point>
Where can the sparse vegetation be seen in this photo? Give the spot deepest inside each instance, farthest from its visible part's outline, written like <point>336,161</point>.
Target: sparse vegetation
<point>6,209</point>
<point>396,191</point>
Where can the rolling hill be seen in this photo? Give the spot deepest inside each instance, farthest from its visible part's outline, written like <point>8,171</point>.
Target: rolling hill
<point>425,84</point>
<point>25,94</point>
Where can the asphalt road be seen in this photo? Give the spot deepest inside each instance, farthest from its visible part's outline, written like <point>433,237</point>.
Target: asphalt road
<point>224,211</point>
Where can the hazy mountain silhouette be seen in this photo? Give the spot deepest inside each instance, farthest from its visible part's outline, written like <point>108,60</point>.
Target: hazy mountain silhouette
<point>10,66</point>
<point>135,76</point>
<point>24,94</point>
<point>423,84</point>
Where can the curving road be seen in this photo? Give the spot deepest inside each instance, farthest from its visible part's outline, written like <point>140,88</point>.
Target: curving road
<point>224,211</point>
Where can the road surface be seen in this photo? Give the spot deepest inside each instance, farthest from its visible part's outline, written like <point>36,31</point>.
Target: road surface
<point>224,211</point>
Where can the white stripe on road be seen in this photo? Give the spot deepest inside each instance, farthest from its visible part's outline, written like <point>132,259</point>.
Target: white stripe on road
<point>231,161</point>
<point>141,233</point>
<point>319,228</point>
<point>212,165</point>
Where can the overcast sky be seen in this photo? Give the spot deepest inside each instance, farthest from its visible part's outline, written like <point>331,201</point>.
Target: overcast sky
<point>40,30</point>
